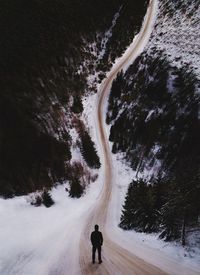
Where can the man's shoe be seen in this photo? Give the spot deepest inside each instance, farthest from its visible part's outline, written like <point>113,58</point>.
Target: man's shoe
<point>93,262</point>
<point>100,261</point>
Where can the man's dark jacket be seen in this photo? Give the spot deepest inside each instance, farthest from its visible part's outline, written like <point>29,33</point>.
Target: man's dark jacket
<point>96,238</point>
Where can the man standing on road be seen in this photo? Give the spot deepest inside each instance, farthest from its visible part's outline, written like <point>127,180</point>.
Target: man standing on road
<point>97,241</point>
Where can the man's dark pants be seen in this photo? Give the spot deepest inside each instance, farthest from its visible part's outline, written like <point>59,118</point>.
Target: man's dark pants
<point>94,248</point>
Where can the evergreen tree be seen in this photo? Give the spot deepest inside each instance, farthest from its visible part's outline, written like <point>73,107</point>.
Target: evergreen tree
<point>139,211</point>
<point>114,95</point>
<point>170,215</point>
<point>88,151</point>
<point>77,106</point>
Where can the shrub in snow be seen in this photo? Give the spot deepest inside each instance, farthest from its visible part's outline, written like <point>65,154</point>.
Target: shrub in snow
<point>79,177</point>
<point>47,199</point>
<point>76,189</point>
<point>37,201</point>
<point>44,198</point>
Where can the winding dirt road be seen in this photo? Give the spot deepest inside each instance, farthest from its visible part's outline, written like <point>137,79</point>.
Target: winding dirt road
<point>116,260</point>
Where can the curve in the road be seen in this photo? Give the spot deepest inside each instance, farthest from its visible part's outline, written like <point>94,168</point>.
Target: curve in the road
<point>116,260</point>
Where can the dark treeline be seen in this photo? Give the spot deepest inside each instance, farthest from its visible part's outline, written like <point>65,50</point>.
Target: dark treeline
<point>43,43</point>
<point>158,127</point>
<point>35,32</point>
<point>161,206</point>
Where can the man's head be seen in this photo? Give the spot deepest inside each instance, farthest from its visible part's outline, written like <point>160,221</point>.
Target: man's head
<point>96,227</point>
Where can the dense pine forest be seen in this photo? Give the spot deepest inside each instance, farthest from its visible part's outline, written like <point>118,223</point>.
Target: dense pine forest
<point>46,54</point>
<point>154,113</point>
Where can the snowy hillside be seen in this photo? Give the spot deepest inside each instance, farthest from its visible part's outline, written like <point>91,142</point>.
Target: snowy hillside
<point>177,33</point>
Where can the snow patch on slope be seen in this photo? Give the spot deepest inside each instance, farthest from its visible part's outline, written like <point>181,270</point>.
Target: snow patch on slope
<point>177,33</point>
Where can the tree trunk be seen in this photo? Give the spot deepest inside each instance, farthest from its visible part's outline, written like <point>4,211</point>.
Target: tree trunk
<point>183,230</point>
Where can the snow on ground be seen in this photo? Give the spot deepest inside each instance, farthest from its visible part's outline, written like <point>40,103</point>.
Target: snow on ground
<point>40,240</point>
